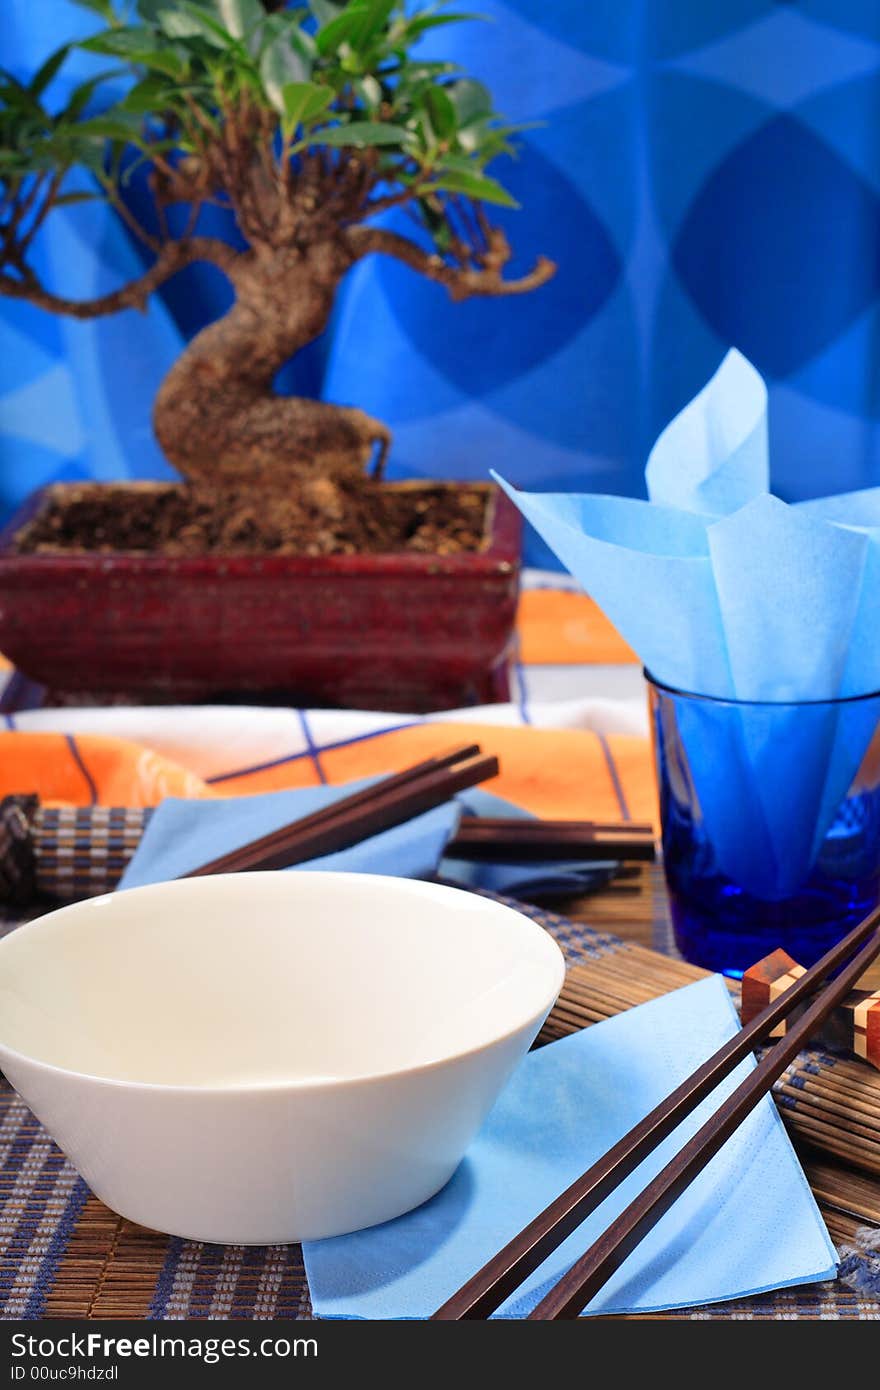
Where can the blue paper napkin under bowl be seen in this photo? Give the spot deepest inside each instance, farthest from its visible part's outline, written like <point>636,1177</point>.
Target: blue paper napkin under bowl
<point>184,834</point>
<point>747,1224</point>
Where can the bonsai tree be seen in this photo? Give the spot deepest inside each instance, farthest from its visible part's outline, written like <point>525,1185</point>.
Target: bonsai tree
<point>308,122</point>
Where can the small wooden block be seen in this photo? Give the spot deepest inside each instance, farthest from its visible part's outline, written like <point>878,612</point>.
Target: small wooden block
<point>853,1027</point>
<point>865,1010</point>
<point>764,982</point>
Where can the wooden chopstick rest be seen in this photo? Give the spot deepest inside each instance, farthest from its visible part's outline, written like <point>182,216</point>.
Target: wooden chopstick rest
<point>17,858</point>
<point>853,1027</point>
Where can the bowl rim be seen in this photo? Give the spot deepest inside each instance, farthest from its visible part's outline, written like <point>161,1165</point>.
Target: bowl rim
<point>300,1084</point>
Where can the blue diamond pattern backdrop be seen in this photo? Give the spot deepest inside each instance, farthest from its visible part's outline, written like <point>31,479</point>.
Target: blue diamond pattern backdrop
<point>704,174</point>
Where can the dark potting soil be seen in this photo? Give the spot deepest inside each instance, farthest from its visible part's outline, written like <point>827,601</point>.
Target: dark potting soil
<point>353,516</point>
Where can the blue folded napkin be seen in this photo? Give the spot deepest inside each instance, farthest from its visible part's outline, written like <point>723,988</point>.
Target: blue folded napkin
<point>183,834</point>
<point>747,1224</point>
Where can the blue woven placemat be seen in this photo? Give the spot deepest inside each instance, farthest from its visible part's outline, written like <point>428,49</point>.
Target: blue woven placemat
<point>64,1254</point>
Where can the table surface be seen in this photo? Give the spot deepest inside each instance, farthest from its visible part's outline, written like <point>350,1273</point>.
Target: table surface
<point>633,906</point>
<point>110,1268</point>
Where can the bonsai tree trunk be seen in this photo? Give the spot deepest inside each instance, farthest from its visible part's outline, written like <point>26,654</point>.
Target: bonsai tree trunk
<point>217,416</point>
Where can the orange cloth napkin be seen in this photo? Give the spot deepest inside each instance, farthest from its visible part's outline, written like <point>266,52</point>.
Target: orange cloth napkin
<point>550,772</point>
<point>559,627</point>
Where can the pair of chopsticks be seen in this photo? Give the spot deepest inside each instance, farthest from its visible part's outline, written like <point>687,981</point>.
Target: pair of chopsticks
<point>496,839</point>
<point>346,822</point>
<point>501,1275</point>
<point>418,789</point>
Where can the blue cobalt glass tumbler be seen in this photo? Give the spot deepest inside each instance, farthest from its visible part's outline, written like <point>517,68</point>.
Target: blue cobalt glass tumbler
<point>770,817</point>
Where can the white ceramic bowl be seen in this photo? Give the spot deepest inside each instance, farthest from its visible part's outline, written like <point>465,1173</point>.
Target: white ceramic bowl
<point>271,1057</point>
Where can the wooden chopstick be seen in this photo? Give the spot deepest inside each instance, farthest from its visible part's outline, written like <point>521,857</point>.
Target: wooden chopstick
<point>505,1271</point>
<point>354,818</point>
<point>349,803</point>
<point>499,838</point>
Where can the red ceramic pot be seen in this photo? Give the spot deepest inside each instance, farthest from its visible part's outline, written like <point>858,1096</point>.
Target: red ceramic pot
<point>397,632</point>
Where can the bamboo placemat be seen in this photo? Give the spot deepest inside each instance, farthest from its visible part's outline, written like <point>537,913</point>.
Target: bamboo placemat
<point>63,1254</point>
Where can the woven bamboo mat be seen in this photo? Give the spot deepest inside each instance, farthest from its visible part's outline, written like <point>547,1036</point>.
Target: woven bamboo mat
<point>63,1254</point>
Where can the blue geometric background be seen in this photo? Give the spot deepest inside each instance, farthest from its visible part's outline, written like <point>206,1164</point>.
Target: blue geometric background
<point>706,175</point>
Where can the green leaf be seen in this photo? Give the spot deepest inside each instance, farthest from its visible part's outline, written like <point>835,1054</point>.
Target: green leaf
<point>473,185</point>
<point>325,10</point>
<point>89,155</point>
<point>135,45</point>
<point>420,24</point>
<point>331,36</point>
<point>102,7</point>
<point>283,27</point>
<point>109,127</point>
<point>303,101</point>
<point>149,95</point>
<point>437,224</point>
<point>472,101</point>
<point>44,74</point>
<point>372,16</point>
<point>82,95</point>
<point>241,16</point>
<point>192,22</point>
<point>119,43</point>
<point>17,98</point>
<point>280,66</point>
<point>441,112</point>
<point>359,24</point>
<point>360,135</point>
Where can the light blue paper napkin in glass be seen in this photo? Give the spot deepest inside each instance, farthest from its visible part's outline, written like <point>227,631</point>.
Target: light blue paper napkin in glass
<point>182,834</point>
<point>747,1224</point>
<point>713,457</point>
<point>720,587</point>
<point>724,590</point>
